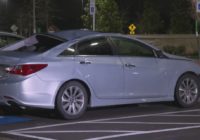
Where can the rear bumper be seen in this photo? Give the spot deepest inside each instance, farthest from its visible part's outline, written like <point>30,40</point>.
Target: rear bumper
<point>31,92</point>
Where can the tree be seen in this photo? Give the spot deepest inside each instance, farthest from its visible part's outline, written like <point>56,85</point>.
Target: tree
<point>151,21</point>
<point>7,11</point>
<point>45,13</point>
<point>181,19</point>
<point>68,14</point>
<point>24,16</point>
<point>108,18</point>
<point>130,11</point>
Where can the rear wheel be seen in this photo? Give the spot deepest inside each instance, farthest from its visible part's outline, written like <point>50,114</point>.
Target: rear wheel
<point>187,90</point>
<point>72,100</point>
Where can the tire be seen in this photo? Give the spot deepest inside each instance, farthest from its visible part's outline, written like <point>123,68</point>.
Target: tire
<point>72,100</point>
<point>187,90</point>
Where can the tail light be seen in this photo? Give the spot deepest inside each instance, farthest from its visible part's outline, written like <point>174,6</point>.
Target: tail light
<point>25,69</point>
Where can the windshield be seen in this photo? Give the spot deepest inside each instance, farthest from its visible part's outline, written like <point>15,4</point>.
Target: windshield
<point>36,43</point>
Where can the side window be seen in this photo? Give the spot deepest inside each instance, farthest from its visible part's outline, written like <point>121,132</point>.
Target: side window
<point>95,46</point>
<point>69,51</point>
<point>128,47</point>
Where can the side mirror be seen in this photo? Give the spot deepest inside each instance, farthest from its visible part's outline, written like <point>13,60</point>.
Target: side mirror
<point>160,54</point>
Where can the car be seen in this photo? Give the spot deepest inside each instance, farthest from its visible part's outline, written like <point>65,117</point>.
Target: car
<point>72,70</point>
<point>9,38</point>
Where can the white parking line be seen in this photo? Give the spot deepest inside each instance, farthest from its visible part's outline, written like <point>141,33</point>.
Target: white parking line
<point>160,123</point>
<point>21,132</point>
<point>146,132</point>
<point>81,131</point>
<point>182,115</point>
<point>98,120</point>
<point>29,136</point>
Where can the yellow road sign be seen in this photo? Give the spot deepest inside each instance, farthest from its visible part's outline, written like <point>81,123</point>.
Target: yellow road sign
<point>132,28</point>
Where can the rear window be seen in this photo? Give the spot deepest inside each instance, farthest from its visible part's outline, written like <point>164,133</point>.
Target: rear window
<point>36,43</point>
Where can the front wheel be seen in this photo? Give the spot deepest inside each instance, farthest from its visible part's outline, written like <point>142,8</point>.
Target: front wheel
<point>187,90</point>
<point>72,100</point>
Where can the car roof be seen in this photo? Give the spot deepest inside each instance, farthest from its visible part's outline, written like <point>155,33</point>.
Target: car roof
<point>74,34</point>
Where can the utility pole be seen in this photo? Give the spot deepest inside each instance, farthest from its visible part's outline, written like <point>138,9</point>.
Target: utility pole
<point>34,18</point>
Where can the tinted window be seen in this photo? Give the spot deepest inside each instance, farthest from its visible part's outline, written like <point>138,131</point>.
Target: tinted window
<point>128,47</point>
<point>97,46</point>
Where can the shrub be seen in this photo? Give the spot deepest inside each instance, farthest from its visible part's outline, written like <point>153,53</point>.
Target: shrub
<point>169,49</point>
<point>180,50</point>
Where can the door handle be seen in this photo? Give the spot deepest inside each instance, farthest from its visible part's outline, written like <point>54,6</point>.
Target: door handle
<point>85,62</point>
<point>130,65</point>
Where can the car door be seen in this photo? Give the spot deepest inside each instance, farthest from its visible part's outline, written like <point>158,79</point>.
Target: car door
<point>143,75</point>
<point>98,66</point>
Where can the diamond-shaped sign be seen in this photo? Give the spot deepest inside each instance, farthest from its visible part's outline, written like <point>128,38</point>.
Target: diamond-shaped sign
<point>132,28</point>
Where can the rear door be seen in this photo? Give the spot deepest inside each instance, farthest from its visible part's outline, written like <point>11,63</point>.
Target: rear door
<point>102,70</point>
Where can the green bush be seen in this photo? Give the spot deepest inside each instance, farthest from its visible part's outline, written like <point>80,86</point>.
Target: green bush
<point>194,55</point>
<point>169,49</point>
<point>181,50</point>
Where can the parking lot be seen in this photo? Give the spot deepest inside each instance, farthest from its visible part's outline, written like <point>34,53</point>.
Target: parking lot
<point>146,121</point>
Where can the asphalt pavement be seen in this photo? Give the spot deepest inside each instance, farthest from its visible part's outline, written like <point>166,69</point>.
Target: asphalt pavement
<point>154,121</point>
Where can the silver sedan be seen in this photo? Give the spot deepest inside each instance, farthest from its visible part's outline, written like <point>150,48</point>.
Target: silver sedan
<point>72,70</point>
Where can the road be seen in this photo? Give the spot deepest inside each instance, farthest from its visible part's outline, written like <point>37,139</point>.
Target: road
<point>154,121</point>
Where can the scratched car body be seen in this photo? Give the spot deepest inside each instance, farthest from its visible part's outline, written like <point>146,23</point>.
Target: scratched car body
<point>73,70</point>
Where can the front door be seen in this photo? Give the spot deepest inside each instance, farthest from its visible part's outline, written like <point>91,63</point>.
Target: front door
<point>98,66</point>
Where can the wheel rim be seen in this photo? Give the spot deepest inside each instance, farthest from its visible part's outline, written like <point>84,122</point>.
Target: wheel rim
<point>188,91</point>
<point>73,100</point>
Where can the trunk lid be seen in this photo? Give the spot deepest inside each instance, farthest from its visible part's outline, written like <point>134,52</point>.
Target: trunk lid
<point>10,58</point>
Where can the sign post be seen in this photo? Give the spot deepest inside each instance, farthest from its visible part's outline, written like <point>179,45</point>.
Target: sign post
<point>34,17</point>
<point>197,11</point>
<point>196,24</point>
<point>93,12</point>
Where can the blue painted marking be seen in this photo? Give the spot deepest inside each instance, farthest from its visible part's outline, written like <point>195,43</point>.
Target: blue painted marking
<point>12,119</point>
